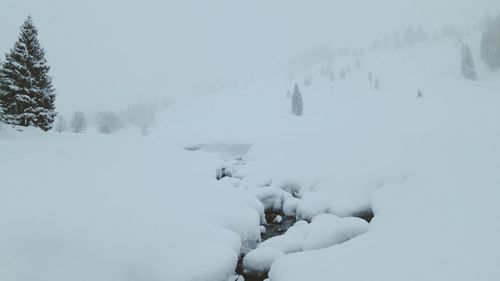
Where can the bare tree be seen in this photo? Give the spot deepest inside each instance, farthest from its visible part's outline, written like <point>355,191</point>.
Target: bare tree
<point>468,68</point>
<point>78,122</point>
<point>60,125</point>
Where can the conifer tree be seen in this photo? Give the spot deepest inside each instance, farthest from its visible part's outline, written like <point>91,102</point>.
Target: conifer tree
<point>377,84</point>
<point>26,92</point>
<point>343,73</point>
<point>331,75</point>
<point>297,103</point>
<point>468,68</point>
<point>490,45</point>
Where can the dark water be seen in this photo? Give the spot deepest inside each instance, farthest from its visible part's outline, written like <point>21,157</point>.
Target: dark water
<point>367,215</point>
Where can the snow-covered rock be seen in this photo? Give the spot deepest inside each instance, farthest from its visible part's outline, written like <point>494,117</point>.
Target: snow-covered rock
<point>290,206</point>
<point>271,197</point>
<point>311,205</point>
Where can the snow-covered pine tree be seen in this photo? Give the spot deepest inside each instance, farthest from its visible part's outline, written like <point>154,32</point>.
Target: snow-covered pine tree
<point>308,80</point>
<point>343,73</point>
<point>490,45</point>
<point>410,37</point>
<point>358,63</point>
<point>468,68</point>
<point>27,94</point>
<point>377,84</point>
<point>297,103</point>
<point>331,75</point>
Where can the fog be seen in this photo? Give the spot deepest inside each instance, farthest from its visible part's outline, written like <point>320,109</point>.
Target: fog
<point>110,54</point>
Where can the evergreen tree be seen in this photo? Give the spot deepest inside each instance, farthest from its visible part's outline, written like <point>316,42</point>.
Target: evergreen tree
<point>377,84</point>
<point>421,36</point>
<point>308,80</point>
<point>331,75</point>
<point>343,73</point>
<point>410,37</point>
<point>297,103</point>
<point>358,63</point>
<point>370,77</point>
<point>490,45</point>
<point>419,94</point>
<point>27,94</point>
<point>468,68</point>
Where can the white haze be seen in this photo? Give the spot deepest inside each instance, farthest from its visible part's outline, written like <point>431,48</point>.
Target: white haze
<point>108,54</point>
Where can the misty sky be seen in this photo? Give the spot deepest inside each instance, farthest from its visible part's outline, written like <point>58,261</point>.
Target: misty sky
<point>107,54</point>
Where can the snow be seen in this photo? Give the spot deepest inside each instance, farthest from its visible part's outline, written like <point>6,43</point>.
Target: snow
<point>290,206</point>
<point>278,219</point>
<point>324,231</point>
<point>260,260</point>
<point>311,205</point>
<point>271,197</point>
<point>288,243</point>
<point>146,210</point>
<point>125,207</point>
<point>328,230</point>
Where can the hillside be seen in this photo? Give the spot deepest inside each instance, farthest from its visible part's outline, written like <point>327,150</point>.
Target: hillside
<point>185,202</point>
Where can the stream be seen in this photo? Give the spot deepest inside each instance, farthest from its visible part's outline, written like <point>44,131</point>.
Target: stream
<point>277,222</point>
<point>273,228</point>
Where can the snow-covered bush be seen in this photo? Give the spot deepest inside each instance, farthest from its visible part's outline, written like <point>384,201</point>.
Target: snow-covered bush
<point>107,122</point>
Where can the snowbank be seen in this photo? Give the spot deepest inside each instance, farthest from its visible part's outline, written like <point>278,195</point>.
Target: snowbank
<point>94,207</point>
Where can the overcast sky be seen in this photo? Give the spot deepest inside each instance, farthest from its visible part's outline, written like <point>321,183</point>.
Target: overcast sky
<point>107,54</point>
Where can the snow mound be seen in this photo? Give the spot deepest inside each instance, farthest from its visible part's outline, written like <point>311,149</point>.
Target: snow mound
<point>328,230</point>
<point>311,205</point>
<point>290,206</point>
<point>324,231</point>
<point>260,260</point>
<point>271,197</point>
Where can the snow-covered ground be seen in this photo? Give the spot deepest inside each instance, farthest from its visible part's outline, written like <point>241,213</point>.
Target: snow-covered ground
<point>117,207</point>
<point>127,207</point>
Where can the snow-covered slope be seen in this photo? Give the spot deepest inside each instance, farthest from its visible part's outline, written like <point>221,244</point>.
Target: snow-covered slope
<point>125,207</point>
<point>427,166</point>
